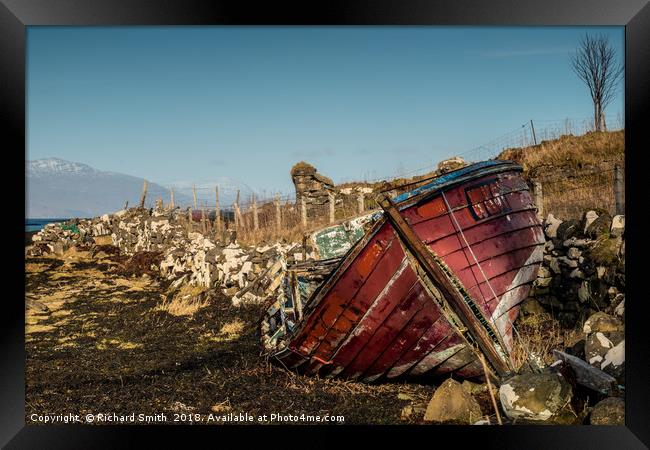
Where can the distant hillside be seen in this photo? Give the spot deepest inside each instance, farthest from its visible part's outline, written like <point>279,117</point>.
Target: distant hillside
<point>57,188</point>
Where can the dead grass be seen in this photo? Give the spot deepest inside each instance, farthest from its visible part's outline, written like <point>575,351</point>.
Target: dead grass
<point>537,336</point>
<point>576,172</point>
<point>186,301</point>
<point>575,152</point>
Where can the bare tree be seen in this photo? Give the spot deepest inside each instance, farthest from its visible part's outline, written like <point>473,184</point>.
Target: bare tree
<point>595,64</point>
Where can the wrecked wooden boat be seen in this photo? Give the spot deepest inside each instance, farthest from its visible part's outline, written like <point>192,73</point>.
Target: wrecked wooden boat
<point>432,287</point>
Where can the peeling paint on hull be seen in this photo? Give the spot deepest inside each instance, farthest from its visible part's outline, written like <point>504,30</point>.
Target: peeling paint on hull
<point>374,317</point>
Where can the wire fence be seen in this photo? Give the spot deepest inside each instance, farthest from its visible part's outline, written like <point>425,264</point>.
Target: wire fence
<point>566,193</point>
<point>569,195</point>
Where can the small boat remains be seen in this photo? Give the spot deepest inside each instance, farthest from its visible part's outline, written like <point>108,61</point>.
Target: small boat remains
<point>432,286</point>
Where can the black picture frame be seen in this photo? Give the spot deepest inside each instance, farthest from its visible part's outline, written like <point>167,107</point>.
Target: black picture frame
<point>16,15</point>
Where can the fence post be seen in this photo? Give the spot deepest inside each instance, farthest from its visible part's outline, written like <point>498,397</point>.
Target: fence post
<point>204,223</point>
<point>619,186</point>
<point>278,216</point>
<point>172,198</point>
<point>217,213</point>
<point>255,218</point>
<point>539,198</point>
<point>144,193</point>
<point>194,193</point>
<point>303,211</point>
<point>532,127</point>
<point>360,202</point>
<point>235,207</point>
<point>332,203</point>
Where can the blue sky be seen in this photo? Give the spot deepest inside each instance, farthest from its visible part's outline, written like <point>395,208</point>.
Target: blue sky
<point>196,104</point>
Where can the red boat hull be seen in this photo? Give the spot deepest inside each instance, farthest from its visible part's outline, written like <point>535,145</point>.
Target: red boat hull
<point>375,317</point>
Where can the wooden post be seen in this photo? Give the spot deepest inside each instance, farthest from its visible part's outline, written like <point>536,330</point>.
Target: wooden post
<point>533,130</point>
<point>235,207</point>
<point>619,189</point>
<point>539,198</point>
<point>189,219</point>
<point>332,203</point>
<point>278,216</point>
<point>194,193</point>
<point>126,205</point>
<point>172,198</point>
<point>255,218</point>
<point>360,202</point>
<point>303,211</point>
<point>144,193</point>
<point>204,225</point>
<point>218,212</point>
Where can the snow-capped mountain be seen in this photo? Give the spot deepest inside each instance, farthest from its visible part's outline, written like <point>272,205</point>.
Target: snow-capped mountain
<point>50,166</point>
<point>59,188</point>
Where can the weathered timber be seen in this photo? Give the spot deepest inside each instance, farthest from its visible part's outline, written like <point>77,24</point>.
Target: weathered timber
<point>145,185</point>
<point>450,293</point>
<point>588,375</point>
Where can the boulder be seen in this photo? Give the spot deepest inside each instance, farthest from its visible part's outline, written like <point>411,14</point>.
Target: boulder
<point>619,311</point>
<point>575,242</point>
<point>450,164</point>
<point>452,404</point>
<point>605,344</point>
<point>618,226</point>
<point>530,307</point>
<point>587,219</point>
<point>536,397</point>
<point>573,253</point>
<point>605,252</point>
<point>568,262</point>
<point>599,227</point>
<point>598,344</point>
<point>552,225</point>
<point>594,292</point>
<point>604,323</point>
<point>577,274</point>
<point>568,229</point>
<point>610,411</point>
<point>411,411</point>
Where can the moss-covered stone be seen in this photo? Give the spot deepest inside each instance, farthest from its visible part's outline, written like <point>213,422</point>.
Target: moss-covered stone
<point>605,252</point>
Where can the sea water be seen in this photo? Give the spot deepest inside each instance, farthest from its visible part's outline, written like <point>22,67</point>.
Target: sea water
<point>39,224</point>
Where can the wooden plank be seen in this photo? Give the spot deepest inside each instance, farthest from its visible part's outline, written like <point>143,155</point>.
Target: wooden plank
<point>449,291</point>
<point>587,375</point>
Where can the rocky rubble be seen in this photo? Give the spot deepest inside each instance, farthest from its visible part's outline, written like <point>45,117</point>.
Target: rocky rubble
<point>583,271</point>
<point>581,281</point>
<point>186,256</point>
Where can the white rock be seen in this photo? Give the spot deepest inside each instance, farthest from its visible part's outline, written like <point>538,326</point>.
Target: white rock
<point>618,226</point>
<point>590,216</point>
<point>552,224</point>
